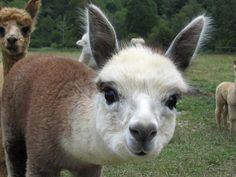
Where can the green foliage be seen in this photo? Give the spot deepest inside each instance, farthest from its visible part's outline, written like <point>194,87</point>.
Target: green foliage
<point>158,21</point>
<point>160,34</point>
<point>141,16</point>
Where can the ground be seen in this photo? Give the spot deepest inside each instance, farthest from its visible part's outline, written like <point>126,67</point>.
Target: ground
<point>198,148</point>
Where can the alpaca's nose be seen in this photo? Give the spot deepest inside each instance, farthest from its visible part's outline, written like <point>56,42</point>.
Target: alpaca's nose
<point>12,40</point>
<point>143,133</point>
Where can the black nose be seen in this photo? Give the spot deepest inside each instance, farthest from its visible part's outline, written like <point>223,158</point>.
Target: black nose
<point>143,133</point>
<point>12,40</point>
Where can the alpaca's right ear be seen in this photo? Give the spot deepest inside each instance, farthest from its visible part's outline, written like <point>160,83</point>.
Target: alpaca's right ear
<point>102,36</point>
<point>234,62</point>
<point>186,43</point>
<point>33,7</point>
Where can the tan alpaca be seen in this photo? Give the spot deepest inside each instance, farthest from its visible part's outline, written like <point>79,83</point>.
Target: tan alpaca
<point>226,104</point>
<point>16,26</point>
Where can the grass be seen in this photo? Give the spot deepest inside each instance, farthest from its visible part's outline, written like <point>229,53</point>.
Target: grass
<point>198,148</point>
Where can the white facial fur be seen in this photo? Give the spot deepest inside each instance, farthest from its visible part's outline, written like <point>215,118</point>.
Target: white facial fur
<point>144,81</point>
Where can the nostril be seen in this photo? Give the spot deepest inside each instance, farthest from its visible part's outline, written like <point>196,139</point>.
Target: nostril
<point>152,134</point>
<point>143,133</point>
<point>135,132</point>
<point>11,40</point>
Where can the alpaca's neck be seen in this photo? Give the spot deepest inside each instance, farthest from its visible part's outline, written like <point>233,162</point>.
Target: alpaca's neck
<point>9,60</point>
<point>85,56</point>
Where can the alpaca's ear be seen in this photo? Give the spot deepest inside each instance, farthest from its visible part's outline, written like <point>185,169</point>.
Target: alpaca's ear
<point>186,43</point>
<point>234,62</point>
<point>102,36</point>
<point>33,7</point>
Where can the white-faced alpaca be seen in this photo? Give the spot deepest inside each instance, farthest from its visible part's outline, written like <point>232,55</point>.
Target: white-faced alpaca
<point>86,55</point>
<point>16,26</point>
<point>226,103</point>
<point>137,41</point>
<point>60,114</point>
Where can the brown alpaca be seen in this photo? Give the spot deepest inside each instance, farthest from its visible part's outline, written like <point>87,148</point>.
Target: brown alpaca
<point>226,104</point>
<point>16,26</point>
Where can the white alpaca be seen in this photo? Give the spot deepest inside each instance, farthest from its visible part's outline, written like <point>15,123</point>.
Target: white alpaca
<point>137,41</point>
<point>60,114</point>
<point>86,56</point>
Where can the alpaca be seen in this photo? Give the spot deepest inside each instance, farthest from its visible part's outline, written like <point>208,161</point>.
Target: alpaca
<point>137,41</point>
<point>226,103</point>
<point>60,114</point>
<point>16,26</point>
<point>86,56</point>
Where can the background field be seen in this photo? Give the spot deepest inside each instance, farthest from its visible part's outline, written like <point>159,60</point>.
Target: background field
<point>198,148</point>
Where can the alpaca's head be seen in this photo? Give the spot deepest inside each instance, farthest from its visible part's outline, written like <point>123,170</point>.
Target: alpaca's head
<point>83,42</point>
<point>138,88</point>
<point>16,26</point>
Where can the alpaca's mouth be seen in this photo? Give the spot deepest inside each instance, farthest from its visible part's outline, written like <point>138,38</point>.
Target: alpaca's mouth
<point>141,153</point>
<point>13,49</point>
<point>140,149</point>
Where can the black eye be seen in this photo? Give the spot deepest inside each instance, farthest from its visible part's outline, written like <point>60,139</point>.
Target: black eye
<point>171,102</point>
<point>25,30</point>
<point>2,31</point>
<point>110,95</point>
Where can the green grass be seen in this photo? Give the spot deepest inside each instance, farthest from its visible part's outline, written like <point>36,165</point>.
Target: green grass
<point>198,148</point>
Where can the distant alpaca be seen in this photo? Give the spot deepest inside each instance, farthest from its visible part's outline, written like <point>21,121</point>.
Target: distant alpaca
<point>86,55</point>
<point>60,114</point>
<point>16,26</point>
<point>226,103</point>
<point>137,41</point>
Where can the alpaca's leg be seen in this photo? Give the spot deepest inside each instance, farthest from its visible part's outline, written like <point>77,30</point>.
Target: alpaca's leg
<point>15,155</point>
<point>33,170</point>
<point>233,125</point>
<point>91,171</point>
<point>218,113</point>
<point>232,118</point>
<point>225,116</point>
<point>3,169</point>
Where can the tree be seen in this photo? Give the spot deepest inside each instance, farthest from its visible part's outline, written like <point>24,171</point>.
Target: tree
<point>141,16</point>
<point>160,34</point>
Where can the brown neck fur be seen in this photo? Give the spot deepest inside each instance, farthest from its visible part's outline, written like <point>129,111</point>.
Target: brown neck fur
<point>10,60</point>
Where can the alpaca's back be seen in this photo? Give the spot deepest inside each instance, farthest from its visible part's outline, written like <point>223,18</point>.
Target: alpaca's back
<point>224,91</point>
<point>48,75</point>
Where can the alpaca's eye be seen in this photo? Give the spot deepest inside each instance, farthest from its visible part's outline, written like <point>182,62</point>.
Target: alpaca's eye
<point>110,95</point>
<point>2,31</point>
<point>171,102</point>
<point>25,30</point>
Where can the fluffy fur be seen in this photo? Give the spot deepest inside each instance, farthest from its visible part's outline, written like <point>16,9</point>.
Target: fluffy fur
<point>60,114</point>
<point>137,41</point>
<point>12,21</point>
<point>225,104</point>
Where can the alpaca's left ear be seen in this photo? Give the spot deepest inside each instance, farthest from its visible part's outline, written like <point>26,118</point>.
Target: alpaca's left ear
<point>33,8</point>
<point>186,43</point>
<point>101,34</point>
